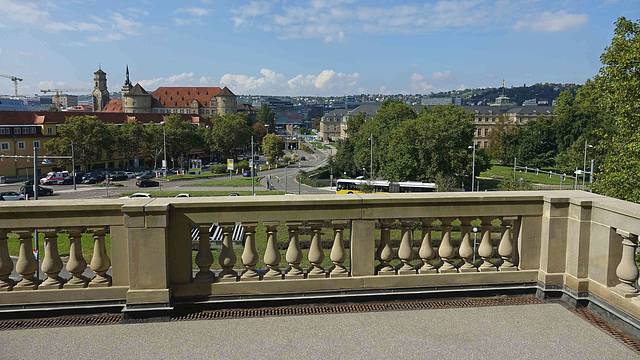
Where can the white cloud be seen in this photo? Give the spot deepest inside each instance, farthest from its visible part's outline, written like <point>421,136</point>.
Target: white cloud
<point>462,87</point>
<point>193,11</point>
<point>52,85</point>
<point>419,83</point>
<point>104,38</point>
<point>183,79</point>
<point>245,13</point>
<point>491,76</point>
<point>445,75</point>
<point>125,25</point>
<point>528,75</point>
<point>552,22</point>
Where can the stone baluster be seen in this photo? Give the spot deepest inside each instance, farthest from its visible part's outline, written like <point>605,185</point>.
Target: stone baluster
<point>316,255</point>
<point>386,252</point>
<point>27,263</point>
<point>51,264</point>
<point>204,257</point>
<point>446,250</point>
<point>100,262</point>
<point>250,255</point>
<point>505,248</point>
<point>627,270</point>
<point>338,253</point>
<point>294,253</point>
<point>466,247</point>
<point>76,264</point>
<point>6,264</point>
<point>405,251</point>
<point>485,250</point>
<point>272,255</point>
<point>426,251</point>
<point>227,257</point>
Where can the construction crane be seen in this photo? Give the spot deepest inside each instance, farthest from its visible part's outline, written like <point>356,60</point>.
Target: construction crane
<point>58,91</point>
<point>15,80</point>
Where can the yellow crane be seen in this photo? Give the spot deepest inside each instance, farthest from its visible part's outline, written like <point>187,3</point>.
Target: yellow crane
<point>15,80</point>
<point>58,91</point>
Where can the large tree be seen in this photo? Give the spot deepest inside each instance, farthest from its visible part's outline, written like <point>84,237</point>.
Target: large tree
<point>619,84</point>
<point>153,144</point>
<point>273,147</point>
<point>267,117</point>
<point>182,139</point>
<point>501,137</point>
<point>93,140</point>
<point>129,138</point>
<point>228,134</point>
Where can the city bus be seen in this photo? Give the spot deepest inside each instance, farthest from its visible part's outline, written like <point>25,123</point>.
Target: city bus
<point>351,186</point>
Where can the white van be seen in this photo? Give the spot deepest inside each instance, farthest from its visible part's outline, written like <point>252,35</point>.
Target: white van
<point>53,177</point>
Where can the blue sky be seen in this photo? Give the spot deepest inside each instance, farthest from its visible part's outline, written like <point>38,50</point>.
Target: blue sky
<point>306,47</point>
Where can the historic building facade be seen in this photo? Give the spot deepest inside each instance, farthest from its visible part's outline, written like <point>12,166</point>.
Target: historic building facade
<point>100,93</point>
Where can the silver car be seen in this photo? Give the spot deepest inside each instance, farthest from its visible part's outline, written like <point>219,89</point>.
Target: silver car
<point>12,195</point>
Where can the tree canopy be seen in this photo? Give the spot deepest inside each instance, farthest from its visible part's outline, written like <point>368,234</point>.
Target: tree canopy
<point>267,117</point>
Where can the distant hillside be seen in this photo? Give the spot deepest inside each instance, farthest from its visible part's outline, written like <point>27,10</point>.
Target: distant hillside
<point>518,94</point>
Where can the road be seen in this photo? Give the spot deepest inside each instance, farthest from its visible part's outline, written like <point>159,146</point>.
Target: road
<point>319,158</point>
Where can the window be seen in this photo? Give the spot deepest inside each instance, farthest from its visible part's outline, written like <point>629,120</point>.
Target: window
<point>2,131</point>
<point>36,144</point>
<point>17,131</point>
<point>4,146</point>
<point>20,145</point>
<point>49,130</point>
<point>33,130</point>
<point>486,144</point>
<point>486,131</point>
<point>479,132</point>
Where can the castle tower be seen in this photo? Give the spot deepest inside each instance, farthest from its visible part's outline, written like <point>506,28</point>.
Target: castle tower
<point>100,95</point>
<point>127,84</point>
<point>226,102</point>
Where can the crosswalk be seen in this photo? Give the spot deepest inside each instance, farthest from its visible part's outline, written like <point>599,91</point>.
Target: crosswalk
<point>216,235</point>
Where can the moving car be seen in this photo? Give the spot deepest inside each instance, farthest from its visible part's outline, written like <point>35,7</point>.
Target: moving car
<point>147,183</point>
<point>138,196</point>
<point>183,195</point>
<point>246,173</point>
<point>12,195</point>
<point>42,191</point>
<point>53,177</point>
<point>146,175</point>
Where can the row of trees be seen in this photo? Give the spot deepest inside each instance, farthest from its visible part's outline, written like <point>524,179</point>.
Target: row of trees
<point>431,145</point>
<point>95,140</point>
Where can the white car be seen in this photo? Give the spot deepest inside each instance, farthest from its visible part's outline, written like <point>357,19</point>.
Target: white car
<point>183,195</point>
<point>138,196</point>
<point>129,174</point>
<point>12,195</point>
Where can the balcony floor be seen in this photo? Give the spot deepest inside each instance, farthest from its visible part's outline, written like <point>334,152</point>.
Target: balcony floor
<point>518,332</point>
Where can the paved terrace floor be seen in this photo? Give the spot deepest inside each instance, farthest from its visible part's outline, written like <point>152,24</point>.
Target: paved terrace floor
<point>540,331</point>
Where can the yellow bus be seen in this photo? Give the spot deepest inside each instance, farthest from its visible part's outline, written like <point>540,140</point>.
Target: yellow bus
<point>351,186</point>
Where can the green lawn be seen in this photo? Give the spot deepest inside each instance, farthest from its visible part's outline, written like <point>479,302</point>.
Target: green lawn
<point>506,172</point>
<point>197,193</point>
<point>320,145</point>
<point>227,182</point>
<point>204,175</point>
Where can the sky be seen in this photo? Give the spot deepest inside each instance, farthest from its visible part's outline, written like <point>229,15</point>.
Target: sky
<point>305,47</point>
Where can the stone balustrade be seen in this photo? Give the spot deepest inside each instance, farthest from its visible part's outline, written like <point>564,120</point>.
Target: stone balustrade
<point>578,243</point>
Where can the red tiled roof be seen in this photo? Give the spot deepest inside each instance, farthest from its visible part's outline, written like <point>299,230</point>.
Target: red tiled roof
<point>114,105</point>
<point>59,117</point>
<point>247,107</point>
<point>173,97</point>
<point>80,108</point>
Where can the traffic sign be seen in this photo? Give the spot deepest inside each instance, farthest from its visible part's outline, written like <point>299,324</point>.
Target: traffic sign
<point>229,164</point>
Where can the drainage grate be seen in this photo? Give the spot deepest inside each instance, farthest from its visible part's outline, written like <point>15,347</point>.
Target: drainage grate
<point>349,308</point>
<point>598,322</point>
<point>60,322</point>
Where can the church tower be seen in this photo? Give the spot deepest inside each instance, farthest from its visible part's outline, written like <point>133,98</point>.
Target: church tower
<point>100,93</point>
<point>127,84</point>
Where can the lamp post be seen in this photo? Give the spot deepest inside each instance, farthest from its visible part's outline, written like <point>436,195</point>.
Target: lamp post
<point>371,158</point>
<point>253,185</point>
<point>473,167</point>
<point>164,136</point>
<point>584,166</point>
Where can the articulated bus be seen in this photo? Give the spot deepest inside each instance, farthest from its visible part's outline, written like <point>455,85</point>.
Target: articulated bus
<point>349,186</point>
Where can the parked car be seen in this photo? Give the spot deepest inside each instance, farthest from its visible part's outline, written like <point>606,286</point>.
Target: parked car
<point>129,174</point>
<point>183,195</point>
<point>12,195</point>
<point>138,196</point>
<point>147,183</point>
<point>68,180</point>
<point>118,176</point>
<point>42,191</point>
<point>246,173</point>
<point>146,175</point>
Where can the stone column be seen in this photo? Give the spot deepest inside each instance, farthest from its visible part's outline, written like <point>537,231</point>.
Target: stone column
<point>505,249</point>
<point>100,262</point>
<point>386,254</point>
<point>466,247</point>
<point>51,265</point>
<point>227,257</point>
<point>6,264</point>
<point>338,254</point>
<point>294,253</point>
<point>405,251</point>
<point>446,250</point>
<point>76,264</point>
<point>316,255</point>
<point>27,263</point>
<point>250,255</point>
<point>485,250</point>
<point>426,251</point>
<point>204,257</point>
<point>627,270</point>
<point>272,255</point>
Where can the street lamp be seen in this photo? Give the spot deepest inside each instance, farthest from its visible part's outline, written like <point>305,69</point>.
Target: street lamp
<point>584,167</point>
<point>371,157</point>
<point>164,133</point>
<point>473,171</point>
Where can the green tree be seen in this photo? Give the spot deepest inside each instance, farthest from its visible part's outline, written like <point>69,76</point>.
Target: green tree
<point>267,117</point>
<point>316,123</point>
<point>129,137</point>
<point>273,147</point>
<point>92,140</point>
<point>228,134</point>
<point>53,108</point>
<point>259,131</point>
<point>501,140</point>
<point>182,139</point>
<point>535,142</point>
<point>619,85</point>
<point>153,144</point>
